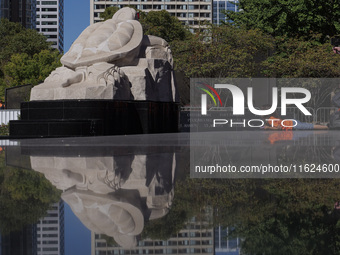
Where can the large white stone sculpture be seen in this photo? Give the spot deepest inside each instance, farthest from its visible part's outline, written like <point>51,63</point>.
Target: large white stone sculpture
<point>113,60</point>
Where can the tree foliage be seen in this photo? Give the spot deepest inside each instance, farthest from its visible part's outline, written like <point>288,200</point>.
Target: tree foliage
<point>16,39</point>
<point>108,12</point>
<point>157,23</point>
<point>23,69</point>
<point>296,58</point>
<point>25,197</point>
<point>25,56</point>
<point>291,18</point>
<point>222,51</point>
<point>162,24</point>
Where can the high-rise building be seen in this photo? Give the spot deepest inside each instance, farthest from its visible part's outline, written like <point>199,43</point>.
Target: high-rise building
<point>4,9</point>
<point>219,6</point>
<point>50,231</point>
<point>22,11</point>
<point>190,12</point>
<point>50,22</point>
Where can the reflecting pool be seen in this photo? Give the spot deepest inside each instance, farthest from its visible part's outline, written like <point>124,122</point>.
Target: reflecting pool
<point>140,194</point>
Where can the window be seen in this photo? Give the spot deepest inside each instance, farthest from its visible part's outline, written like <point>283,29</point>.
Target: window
<point>49,221</point>
<point>50,249</point>
<point>49,30</point>
<point>49,16</point>
<point>50,235</point>
<point>49,23</point>
<point>51,36</point>
<point>49,2</point>
<point>49,228</point>
<point>50,242</point>
<point>48,9</point>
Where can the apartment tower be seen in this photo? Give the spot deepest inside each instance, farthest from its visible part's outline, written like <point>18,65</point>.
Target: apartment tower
<point>22,11</point>
<point>190,12</point>
<point>50,22</point>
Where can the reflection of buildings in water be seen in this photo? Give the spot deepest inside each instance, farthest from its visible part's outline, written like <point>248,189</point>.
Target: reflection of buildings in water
<point>196,238</point>
<point>50,231</point>
<point>43,238</point>
<point>19,242</point>
<point>113,195</point>
<point>225,245</point>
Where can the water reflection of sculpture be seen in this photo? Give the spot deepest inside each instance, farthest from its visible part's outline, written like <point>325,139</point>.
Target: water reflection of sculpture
<point>113,195</point>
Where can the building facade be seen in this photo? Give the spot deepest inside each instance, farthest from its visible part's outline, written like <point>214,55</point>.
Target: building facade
<point>22,11</point>
<point>4,9</point>
<point>50,22</point>
<point>50,231</point>
<point>190,12</point>
<point>219,6</point>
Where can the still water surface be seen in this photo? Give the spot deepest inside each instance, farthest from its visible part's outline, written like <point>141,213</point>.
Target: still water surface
<point>134,195</point>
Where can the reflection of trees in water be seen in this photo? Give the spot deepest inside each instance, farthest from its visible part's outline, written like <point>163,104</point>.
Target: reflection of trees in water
<point>25,197</point>
<point>272,216</point>
<point>291,216</point>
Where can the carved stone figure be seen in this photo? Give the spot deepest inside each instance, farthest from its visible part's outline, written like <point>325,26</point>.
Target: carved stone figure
<point>113,60</point>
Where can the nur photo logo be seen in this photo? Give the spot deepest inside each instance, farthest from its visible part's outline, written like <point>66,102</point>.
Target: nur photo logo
<point>240,103</point>
<point>239,99</point>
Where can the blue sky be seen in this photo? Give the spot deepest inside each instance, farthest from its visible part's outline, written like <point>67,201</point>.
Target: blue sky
<point>76,19</point>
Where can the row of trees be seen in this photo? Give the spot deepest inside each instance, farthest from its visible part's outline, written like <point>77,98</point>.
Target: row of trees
<point>266,38</point>
<point>272,38</point>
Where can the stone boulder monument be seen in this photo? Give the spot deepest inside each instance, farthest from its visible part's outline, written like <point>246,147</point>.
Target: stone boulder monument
<point>111,71</point>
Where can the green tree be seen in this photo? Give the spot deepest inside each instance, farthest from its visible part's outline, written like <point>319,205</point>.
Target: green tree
<point>295,58</point>
<point>292,18</point>
<point>25,56</point>
<point>17,39</point>
<point>158,23</point>
<point>109,12</point>
<point>24,69</point>
<point>162,24</point>
<point>222,51</point>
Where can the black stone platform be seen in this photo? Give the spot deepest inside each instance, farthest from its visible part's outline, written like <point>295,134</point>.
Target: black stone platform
<point>69,118</point>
